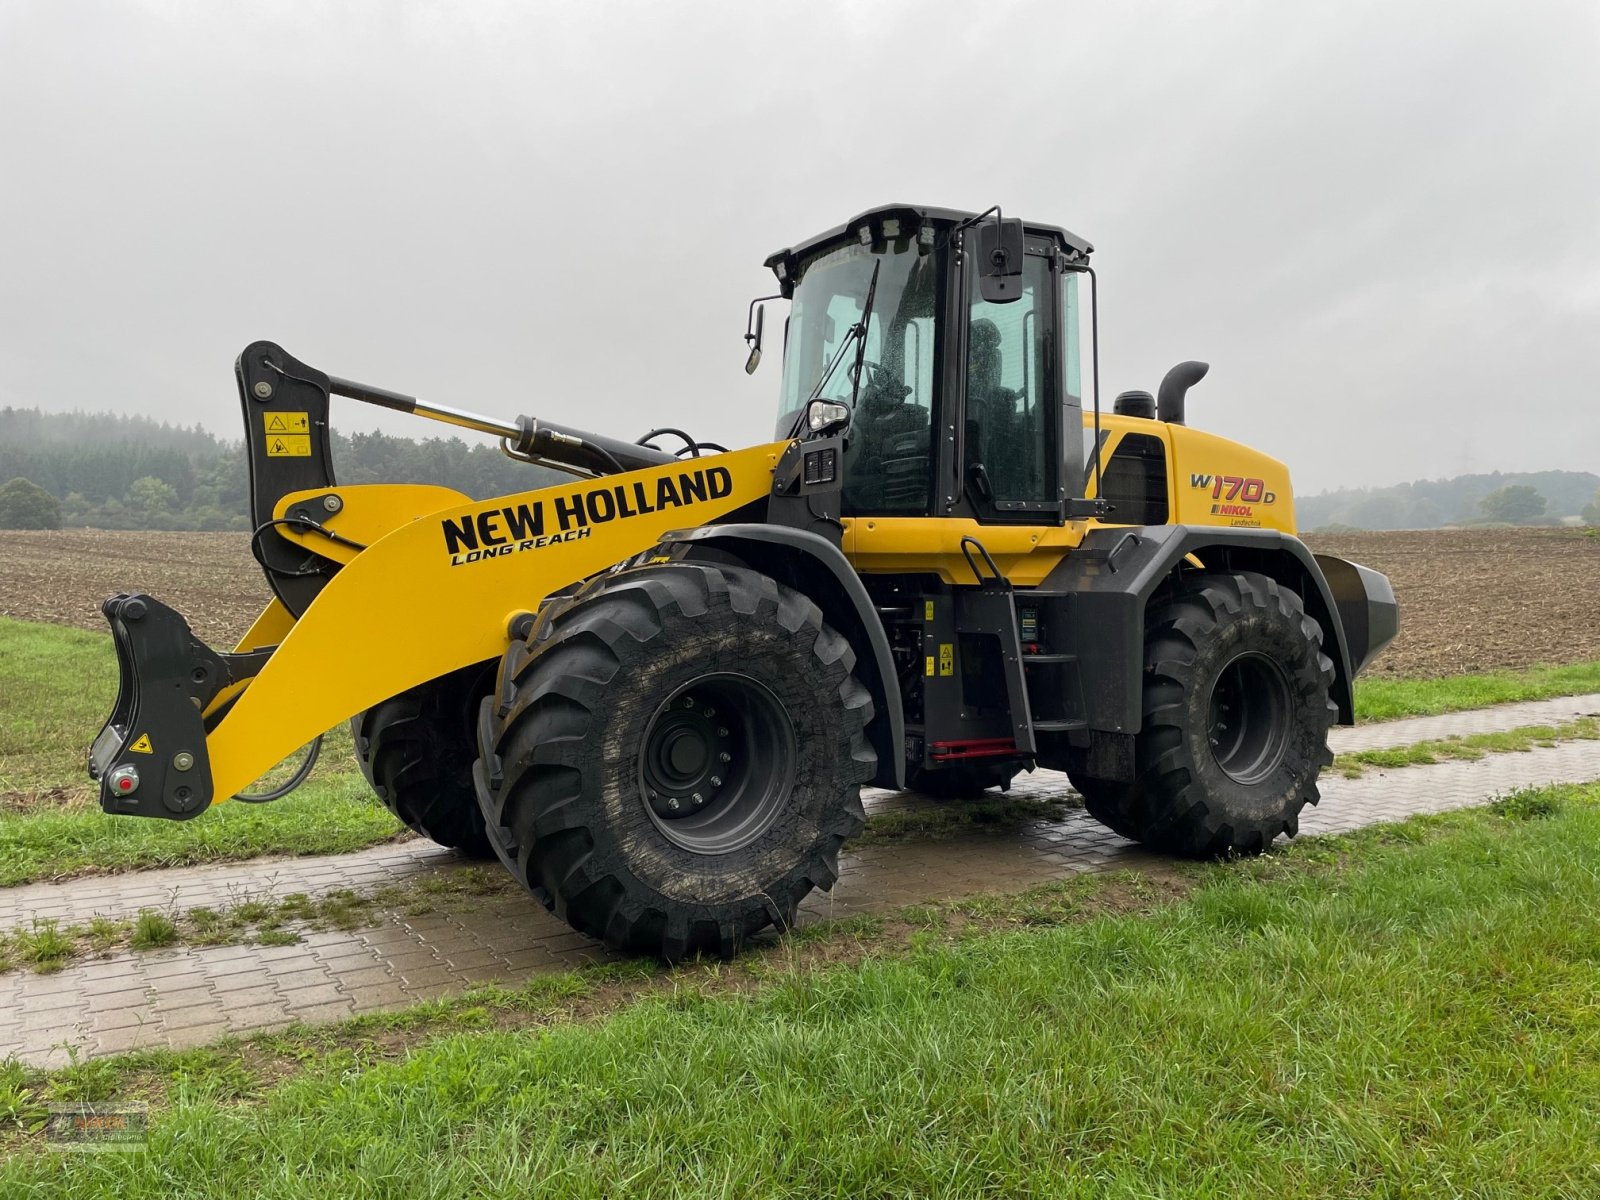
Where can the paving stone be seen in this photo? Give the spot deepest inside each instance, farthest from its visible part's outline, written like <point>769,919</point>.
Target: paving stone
<point>130,1037</point>
<point>33,1027</point>
<point>176,1000</point>
<point>123,1018</point>
<point>387,995</point>
<point>103,1000</point>
<point>421,959</point>
<point>257,1017</point>
<point>240,981</point>
<point>299,999</point>
<point>424,977</point>
<point>353,981</point>
<point>287,981</point>
<point>474,957</point>
<point>242,965</point>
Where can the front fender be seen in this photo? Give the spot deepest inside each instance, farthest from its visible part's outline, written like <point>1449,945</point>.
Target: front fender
<point>816,567</point>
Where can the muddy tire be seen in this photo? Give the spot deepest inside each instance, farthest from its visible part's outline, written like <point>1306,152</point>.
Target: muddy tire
<point>1237,709</point>
<point>417,750</point>
<point>674,761</point>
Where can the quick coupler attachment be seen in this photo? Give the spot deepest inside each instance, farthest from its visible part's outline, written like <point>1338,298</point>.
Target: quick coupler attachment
<point>150,759</point>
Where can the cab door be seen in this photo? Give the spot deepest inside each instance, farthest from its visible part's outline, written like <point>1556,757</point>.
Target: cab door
<point>1008,451</point>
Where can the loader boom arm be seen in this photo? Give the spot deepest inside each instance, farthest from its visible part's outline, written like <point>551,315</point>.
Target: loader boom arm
<point>436,593</point>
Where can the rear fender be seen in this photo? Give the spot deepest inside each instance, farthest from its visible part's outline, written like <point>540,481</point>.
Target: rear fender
<point>1109,580</point>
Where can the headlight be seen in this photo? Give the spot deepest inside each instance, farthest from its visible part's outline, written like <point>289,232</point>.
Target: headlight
<point>825,414</point>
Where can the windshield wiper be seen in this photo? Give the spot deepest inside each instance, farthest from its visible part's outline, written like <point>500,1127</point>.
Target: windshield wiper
<point>861,336</point>
<point>857,333</point>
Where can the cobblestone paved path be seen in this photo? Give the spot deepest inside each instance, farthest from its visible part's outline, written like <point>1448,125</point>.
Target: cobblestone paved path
<point>190,996</point>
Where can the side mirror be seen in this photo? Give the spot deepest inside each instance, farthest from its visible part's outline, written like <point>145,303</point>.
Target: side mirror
<point>753,325</point>
<point>998,258</point>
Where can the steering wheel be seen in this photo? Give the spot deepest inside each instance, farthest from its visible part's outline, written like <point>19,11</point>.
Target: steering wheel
<point>866,365</point>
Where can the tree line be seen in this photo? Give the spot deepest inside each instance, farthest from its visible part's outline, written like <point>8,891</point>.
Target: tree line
<point>112,471</point>
<point>1501,497</point>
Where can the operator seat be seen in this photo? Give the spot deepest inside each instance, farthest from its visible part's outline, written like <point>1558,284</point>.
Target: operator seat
<point>991,408</point>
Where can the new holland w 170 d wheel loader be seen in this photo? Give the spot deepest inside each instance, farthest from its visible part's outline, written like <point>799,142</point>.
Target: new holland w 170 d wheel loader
<point>656,691</point>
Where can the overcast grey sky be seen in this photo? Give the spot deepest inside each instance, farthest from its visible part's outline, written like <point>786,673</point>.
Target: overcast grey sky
<point>1380,222</point>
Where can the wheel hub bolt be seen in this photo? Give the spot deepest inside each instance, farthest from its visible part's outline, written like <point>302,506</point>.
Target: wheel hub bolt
<point>672,803</point>
<point>708,713</point>
<point>725,756</point>
<point>699,799</point>
<point>722,731</point>
<point>688,701</point>
<point>716,781</point>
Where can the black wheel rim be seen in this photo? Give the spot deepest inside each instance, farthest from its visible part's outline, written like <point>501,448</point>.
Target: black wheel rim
<point>717,763</point>
<point>1249,722</point>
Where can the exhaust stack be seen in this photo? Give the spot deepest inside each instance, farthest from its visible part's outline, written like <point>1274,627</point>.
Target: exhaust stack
<point>1175,386</point>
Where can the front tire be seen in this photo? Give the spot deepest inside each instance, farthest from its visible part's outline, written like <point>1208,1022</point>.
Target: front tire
<point>677,762</point>
<point>1237,706</point>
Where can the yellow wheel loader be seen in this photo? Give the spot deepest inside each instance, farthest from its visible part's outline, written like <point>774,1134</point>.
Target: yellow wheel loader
<point>655,691</point>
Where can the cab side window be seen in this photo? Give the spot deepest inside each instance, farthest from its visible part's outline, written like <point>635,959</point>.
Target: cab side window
<point>1009,434</point>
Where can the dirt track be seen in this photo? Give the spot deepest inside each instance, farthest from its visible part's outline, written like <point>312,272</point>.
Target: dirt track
<point>1470,599</point>
<point>63,576</point>
<point>1475,599</point>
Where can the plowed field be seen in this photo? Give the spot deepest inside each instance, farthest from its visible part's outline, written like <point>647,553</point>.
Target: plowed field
<point>1470,599</point>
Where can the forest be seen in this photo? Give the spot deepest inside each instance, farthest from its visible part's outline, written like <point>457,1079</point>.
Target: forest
<point>109,471</point>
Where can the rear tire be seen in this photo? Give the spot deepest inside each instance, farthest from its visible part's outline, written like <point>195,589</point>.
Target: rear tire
<point>605,735</point>
<point>1237,709</point>
<point>417,750</point>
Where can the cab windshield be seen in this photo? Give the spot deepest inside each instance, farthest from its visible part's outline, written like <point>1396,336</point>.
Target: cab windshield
<point>828,302</point>
<point>887,457</point>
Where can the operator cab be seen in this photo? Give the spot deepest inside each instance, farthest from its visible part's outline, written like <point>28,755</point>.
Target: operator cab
<point>953,341</point>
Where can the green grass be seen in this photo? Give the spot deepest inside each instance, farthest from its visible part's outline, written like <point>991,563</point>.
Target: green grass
<point>152,931</point>
<point>1408,1011</point>
<point>1467,746</point>
<point>332,816</point>
<point>56,687</point>
<point>1386,699</point>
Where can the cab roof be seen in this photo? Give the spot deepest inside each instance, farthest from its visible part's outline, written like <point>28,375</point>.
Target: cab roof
<point>911,217</point>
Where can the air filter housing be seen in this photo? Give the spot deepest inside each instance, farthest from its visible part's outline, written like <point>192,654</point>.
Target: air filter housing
<point>1135,404</point>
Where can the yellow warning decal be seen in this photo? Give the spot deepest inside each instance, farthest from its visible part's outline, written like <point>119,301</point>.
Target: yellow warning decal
<point>289,445</point>
<point>286,422</point>
<point>947,658</point>
<point>930,666</point>
<point>927,612</point>
<point>143,746</point>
